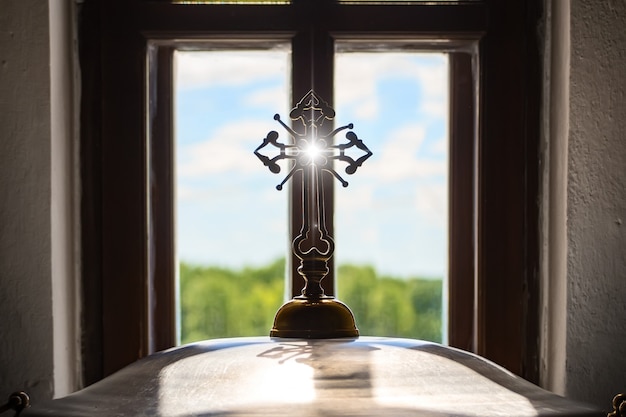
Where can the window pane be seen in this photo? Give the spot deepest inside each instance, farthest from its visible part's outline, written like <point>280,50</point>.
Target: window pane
<point>231,220</point>
<point>391,222</point>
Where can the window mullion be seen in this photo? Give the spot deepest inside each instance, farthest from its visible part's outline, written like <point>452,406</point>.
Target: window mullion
<point>162,263</point>
<point>461,255</point>
<point>312,60</point>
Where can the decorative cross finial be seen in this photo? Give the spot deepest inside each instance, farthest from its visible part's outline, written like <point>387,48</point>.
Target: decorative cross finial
<point>312,153</point>
<point>309,148</point>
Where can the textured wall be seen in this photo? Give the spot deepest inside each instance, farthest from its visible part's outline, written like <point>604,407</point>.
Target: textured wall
<point>25,289</point>
<point>596,333</point>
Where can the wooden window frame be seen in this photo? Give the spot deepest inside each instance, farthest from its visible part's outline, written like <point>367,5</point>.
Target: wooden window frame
<point>127,205</point>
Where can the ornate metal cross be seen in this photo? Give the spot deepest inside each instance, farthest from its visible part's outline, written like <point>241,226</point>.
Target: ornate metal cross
<point>311,153</point>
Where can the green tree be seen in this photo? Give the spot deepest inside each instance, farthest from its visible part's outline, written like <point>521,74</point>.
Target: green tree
<point>394,307</point>
<point>219,302</point>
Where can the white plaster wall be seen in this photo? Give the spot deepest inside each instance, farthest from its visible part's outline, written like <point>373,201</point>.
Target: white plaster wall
<point>64,183</point>
<point>554,194</point>
<point>25,261</point>
<point>596,261</point>
<point>38,316</point>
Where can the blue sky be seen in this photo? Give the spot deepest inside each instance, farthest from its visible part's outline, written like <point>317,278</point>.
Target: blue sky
<point>393,213</point>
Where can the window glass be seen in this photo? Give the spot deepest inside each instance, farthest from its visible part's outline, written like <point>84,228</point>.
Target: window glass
<point>231,221</point>
<point>391,222</point>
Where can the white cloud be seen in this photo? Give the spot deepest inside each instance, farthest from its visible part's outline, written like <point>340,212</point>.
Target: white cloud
<point>206,68</point>
<point>355,197</point>
<point>440,146</point>
<point>359,91</point>
<point>396,177</point>
<point>229,150</point>
<point>357,76</point>
<point>222,195</point>
<point>435,108</point>
<point>398,159</point>
<point>431,202</point>
<point>433,79</point>
<point>367,109</point>
<point>270,98</point>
